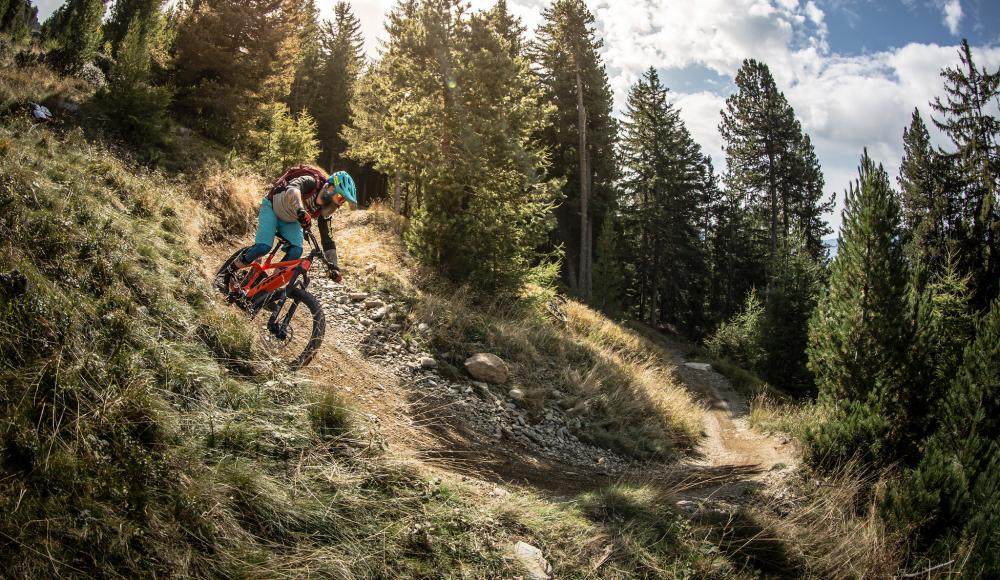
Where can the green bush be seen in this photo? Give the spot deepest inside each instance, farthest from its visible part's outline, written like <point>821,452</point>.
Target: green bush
<point>134,106</point>
<point>856,431</point>
<point>739,339</point>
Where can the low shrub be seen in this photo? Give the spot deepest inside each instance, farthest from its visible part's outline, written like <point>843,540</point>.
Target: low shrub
<point>855,432</point>
<point>739,338</point>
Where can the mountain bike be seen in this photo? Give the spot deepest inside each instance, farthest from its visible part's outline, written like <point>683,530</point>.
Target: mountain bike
<point>290,332</point>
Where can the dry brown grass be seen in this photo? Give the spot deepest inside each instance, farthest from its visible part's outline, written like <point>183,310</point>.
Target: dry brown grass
<point>370,242</point>
<point>833,526</point>
<point>37,84</point>
<point>232,199</point>
<point>791,417</point>
<point>642,362</point>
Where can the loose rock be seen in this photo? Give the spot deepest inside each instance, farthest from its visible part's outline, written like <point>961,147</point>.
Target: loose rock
<point>517,395</point>
<point>532,560</point>
<point>488,368</point>
<point>428,363</point>
<point>698,366</point>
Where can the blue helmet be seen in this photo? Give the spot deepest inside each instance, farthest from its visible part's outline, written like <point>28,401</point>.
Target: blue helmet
<point>343,184</point>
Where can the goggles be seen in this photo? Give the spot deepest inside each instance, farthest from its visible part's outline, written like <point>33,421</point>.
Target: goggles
<point>333,196</point>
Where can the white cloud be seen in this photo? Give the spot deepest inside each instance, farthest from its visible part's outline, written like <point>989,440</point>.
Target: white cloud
<point>952,10</point>
<point>845,103</point>
<point>700,113</point>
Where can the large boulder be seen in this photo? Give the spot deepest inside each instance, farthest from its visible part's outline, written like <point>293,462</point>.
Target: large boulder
<point>488,368</point>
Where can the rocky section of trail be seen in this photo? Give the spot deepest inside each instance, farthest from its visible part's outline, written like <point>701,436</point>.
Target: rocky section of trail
<point>491,414</point>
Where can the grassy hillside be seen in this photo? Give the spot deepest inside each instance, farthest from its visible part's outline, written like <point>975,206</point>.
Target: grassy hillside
<point>610,378</point>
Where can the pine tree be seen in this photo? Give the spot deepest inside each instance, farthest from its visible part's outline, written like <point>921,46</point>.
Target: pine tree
<point>734,265</point>
<point>508,27</point>
<point>858,332</point>
<point>609,275</point>
<point>281,140</point>
<point>965,118</point>
<point>385,129</point>
<point>951,501</point>
<point>772,166</point>
<point>943,327</point>
<point>930,210</point>
<point>785,332</point>
<point>666,180</point>
<point>233,57</point>
<point>566,51</point>
<point>123,13</point>
<point>340,67</point>
<point>18,18</point>
<point>307,86</point>
<point>75,30</point>
<point>457,115</point>
<point>135,106</point>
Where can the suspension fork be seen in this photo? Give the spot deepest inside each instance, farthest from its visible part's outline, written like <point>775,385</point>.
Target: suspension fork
<point>280,329</point>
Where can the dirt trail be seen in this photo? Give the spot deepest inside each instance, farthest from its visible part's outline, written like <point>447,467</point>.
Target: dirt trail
<point>732,459</point>
<point>427,426</point>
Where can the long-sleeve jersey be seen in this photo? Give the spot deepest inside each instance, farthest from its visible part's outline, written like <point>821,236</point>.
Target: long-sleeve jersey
<point>301,193</point>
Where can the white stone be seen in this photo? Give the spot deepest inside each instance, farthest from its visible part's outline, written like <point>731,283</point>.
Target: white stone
<point>517,395</point>
<point>531,559</point>
<point>698,366</point>
<point>428,363</point>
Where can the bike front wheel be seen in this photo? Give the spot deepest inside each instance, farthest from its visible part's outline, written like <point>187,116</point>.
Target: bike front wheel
<point>293,332</point>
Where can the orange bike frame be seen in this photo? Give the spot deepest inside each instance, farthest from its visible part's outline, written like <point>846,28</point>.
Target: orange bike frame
<point>260,281</point>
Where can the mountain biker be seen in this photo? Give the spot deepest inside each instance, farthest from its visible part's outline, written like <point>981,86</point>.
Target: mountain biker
<point>291,205</point>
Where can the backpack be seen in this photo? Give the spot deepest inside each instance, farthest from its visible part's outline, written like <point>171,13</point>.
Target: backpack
<point>298,171</point>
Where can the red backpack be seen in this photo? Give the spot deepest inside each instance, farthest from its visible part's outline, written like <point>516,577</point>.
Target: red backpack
<point>316,173</point>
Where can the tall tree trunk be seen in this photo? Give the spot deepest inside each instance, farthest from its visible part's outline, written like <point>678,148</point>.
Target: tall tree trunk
<point>397,186</point>
<point>772,192</point>
<point>590,259</point>
<point>585,278</point>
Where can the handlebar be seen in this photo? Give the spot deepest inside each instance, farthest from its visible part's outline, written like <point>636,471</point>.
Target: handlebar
<point>317,251</point>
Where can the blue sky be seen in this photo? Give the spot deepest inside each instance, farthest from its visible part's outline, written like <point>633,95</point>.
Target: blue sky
<point>852,69</point>
<point>857,26</point>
